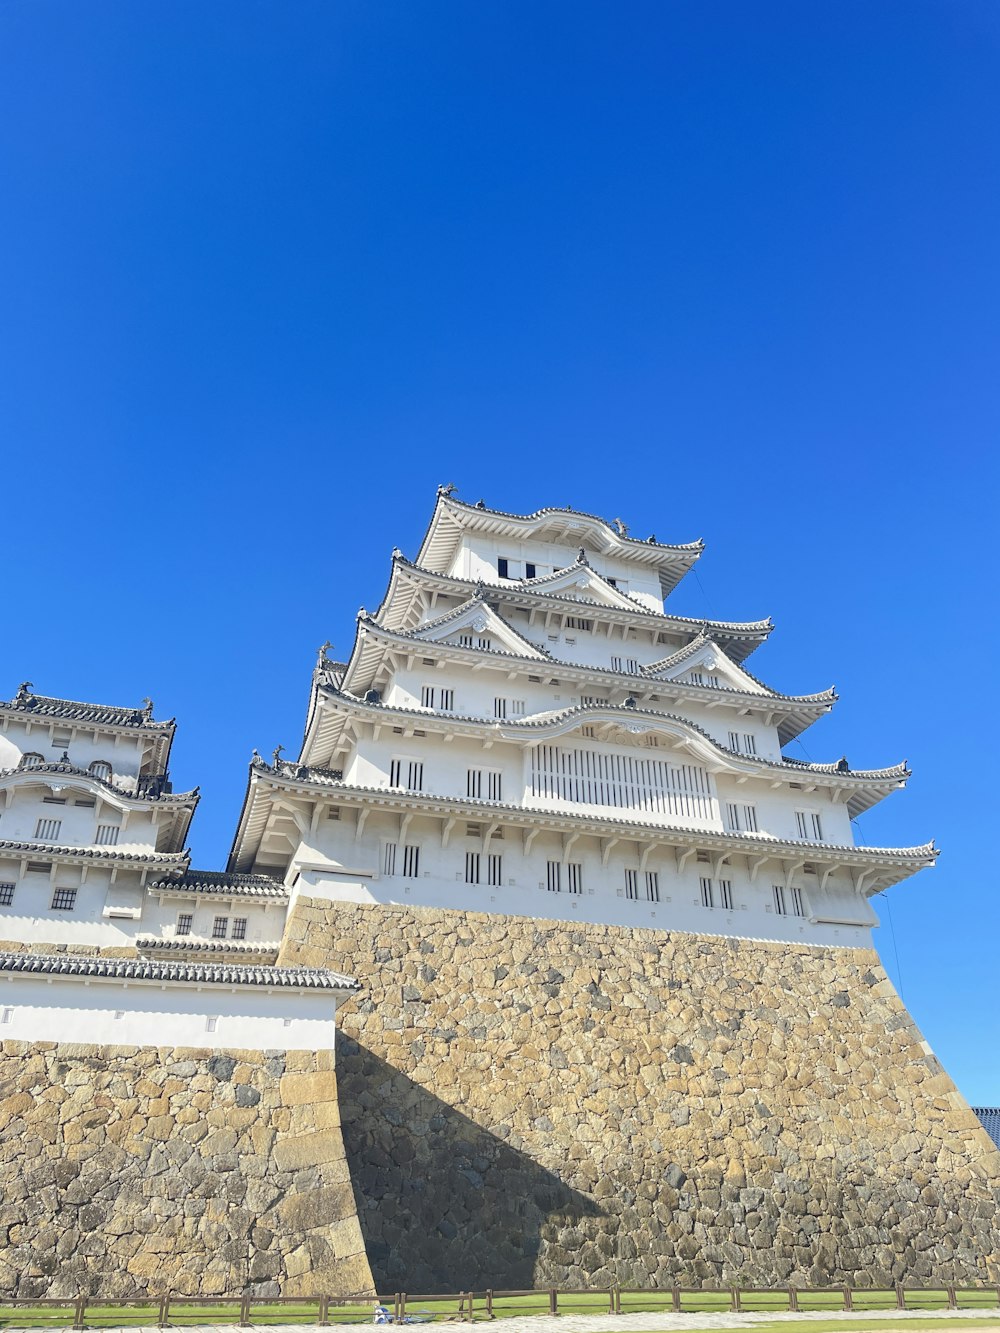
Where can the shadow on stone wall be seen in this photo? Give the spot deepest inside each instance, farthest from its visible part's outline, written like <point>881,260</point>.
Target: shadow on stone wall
<point>443,1205</point>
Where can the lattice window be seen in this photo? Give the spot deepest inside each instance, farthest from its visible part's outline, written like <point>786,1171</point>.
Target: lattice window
<point>64,900</point>
<point>627,782</point>
<point>47,830</point>
<point>220,927</point>
<point>185,920</point>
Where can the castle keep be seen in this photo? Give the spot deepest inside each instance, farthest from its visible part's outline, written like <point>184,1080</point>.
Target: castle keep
<point>619,1016</point>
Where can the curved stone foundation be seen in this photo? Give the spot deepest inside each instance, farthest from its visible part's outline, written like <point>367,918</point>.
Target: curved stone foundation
<point>129,1171</point>
<point>530,1102</point>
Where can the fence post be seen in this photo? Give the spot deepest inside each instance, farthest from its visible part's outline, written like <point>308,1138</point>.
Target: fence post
<point>78,1310</point>
<point>900,1297</point>
<point>952,1299</point>
<point>793,1299</point>
<point>848,1299</point>
<point>402,1306</point>
<point>553,1301</point>
<point>323,1314</point>
<point>244,1316</point>
<point>489,1303</point>
<point>164,1316</point>
<point>676,1296</point>
<point>734,1299</point>
<point>471,1316</point>
<point>611,1300</point>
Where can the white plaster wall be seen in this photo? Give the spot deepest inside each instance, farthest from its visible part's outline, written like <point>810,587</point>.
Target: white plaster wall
<point>19,737</point>
<point>335,865</point>
<point>25,804</point>
<point>70,1009</point>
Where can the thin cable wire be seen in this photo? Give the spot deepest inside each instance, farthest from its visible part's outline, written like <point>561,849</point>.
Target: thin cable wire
<point>895,950</point>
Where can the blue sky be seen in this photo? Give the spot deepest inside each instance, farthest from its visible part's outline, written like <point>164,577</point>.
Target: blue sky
<point>272,272</point>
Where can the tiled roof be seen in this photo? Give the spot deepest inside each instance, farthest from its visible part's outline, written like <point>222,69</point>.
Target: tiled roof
<point>181,946</point>
<point>177,970</point>
<point>989,1117</point>
<point>726,838</point>
<point>70,710</point>
<point>223,883</point>
<point>48,849</point>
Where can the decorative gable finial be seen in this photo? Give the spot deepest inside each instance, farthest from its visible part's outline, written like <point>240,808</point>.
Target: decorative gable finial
<point>447,490</point>
<point>23,692</point>
<point>620,526</point>
<point>321,654</point>
<point>480,504</point>
<point>842,765</point>
<point>651,539</point>
<point>397,554</point>
<point>276,755</point>
<point>147,706</point>
<point>582,556</point>
<point>64,757</point>
<point>256,760</point>
<point>362,613</point>
<point>480,592</point>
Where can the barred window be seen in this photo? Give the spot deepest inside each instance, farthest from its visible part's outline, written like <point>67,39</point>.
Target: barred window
<point>408,772</point>
<point>220,927</point>
<point>240,928</point>
<point>779,900</point>
<point>553,874</point>
<point>64,900</point>
<point>797,909</point>
<point>31,760</point>
<point>6,894</point>
<point>185,920</point>
<point>100,768</point>
<point>107,835</point>
<point>574,877</point>
<point>726,893</point>
<point>707,896</point>
<point>411,861</point>
<point>389,859</point>
<point>47,830</point>
<point>472,867</point>
<point>494,869</point>
<point>631,883</point>
<point>653,886</point>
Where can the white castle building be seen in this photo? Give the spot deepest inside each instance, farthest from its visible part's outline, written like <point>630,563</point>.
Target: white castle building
<point>523,728</point>
<point>93,867</point>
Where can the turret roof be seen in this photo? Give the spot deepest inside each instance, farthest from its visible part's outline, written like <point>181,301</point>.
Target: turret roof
<point>223,883</point>
<point>48,850</point>
<point>69,710</point>
<point>151,789</point>
<point>452,515</point>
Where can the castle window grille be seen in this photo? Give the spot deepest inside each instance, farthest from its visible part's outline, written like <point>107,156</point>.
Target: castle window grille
<point>726,894</point>
<point>629,666</point>
<point>732,816</point>
<point>779,900</point>
<point>697,678</point>
<point>465,640</point>
<point>474,783</point>
<point>64,900</point>
<point>239,928</point>
<point>574,877</point>
<point>494,869</point>
<point>574,622</point>
<point>631,883</point>
<point>220,927</point>
<point>47,830</point>
<point>734,741</point>
<point>100,768</point>
<point>796,895</point>
<point>411,861</point>
<point>410,769</point>
<point>6,894</point>
<point>31,760</point>
<point>712,680</point>
<point>817,828</point>
<point>809,825</point>
<point>53,800</point>
<point>447,700</point>
<point>7,1014</point>
<point>427,696</point>
<point>750,818</point>
<point>624,782</point>
<point>653,886</point>
<point>472,862</point>
<point>707,896</point>
<point>107,835</point>
<point>185,920</point>
<point>484,641</point>
<point>499,707</point>
<point>389,859</point>
<point>553,876</point>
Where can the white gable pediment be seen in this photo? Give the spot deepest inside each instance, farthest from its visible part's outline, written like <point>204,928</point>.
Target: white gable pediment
<point>706,660</point>
<point>580,583</point>
<point>482,623</point>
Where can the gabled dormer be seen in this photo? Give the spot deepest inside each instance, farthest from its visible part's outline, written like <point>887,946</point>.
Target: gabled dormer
<point>474,624</point>
<point>702,662</point>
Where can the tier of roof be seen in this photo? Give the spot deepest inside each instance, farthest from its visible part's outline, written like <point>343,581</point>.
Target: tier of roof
<point>396,611</point>
<point>48,851</point>
<point>867,786</point>
<point>181,971</point>
<point>884,865</point>
<point>452,517</point>
<point>49,708</point>
<point>151,791</point>
<point>222,883</point>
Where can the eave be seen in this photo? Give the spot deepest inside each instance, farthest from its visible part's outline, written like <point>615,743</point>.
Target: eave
<point>102,856</point>
<point>873,868</point>
<point>452,517</point>
<point>401,608</point>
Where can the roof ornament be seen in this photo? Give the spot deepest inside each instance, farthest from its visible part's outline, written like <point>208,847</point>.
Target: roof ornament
<point>276,756</point>
<point>256,760</point>
<point>64,758</point>
<point>147,706</point>
<point>23,692</point>
<point>582,556</point>
<point>397,554</point>
<point>362,613</point>
<point>620,526</point>
<point>651,540</point>
<point>480,592</point>
<point>630,702</point>
<point>842,765</point>
<point>480,504</point>
<point>321,654</point>
<point>447,490</point>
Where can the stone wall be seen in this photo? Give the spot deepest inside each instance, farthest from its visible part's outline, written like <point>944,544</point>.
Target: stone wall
<point>534,1102</point>
<point>130,1170</point>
